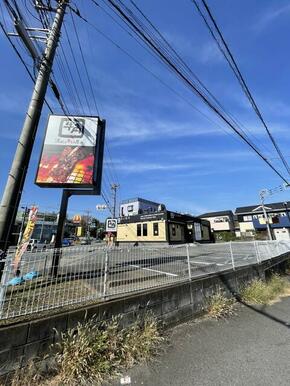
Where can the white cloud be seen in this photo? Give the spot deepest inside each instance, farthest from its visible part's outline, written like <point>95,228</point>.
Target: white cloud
<point>270,15</point>
<point>132,166</point>
<point>189,169</point>
<point>210,53</point>
<point>129,127</point>
<point>209,155</point>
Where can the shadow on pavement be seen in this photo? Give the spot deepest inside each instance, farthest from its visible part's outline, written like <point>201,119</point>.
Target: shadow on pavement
<point>253,308</point>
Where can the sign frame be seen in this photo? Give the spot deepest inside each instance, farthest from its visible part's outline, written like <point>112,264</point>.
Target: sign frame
<point>98,158</point>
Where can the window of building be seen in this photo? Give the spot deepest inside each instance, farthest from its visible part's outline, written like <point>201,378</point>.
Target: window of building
<point>155,229</point>
<point>173,230</point>
<point>138,229</point>
<point>247,218</point>
<point>144,229</point>
<point>221,219</point>
<point>197,231</point>
<point>130,208</point>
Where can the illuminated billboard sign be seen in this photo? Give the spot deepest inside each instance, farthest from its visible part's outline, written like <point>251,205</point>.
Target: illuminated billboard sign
<point>72,152</point>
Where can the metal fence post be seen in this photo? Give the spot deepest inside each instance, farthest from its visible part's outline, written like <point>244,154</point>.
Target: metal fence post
<point>106,269</point>
<point>3,286</point>
<point>232,256</point>
<point>188,262</point>
<point>257,252</point>
<point>189,276</point>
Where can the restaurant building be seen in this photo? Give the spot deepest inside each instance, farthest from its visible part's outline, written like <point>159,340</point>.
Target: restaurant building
<point>163,227</point>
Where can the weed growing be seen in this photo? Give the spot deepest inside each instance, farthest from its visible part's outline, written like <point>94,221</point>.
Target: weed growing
<point>265,292</point>
<point>220,307</point>
<point>95,351</point>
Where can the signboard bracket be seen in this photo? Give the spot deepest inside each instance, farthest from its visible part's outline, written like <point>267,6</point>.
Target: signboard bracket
<point>66,194</point>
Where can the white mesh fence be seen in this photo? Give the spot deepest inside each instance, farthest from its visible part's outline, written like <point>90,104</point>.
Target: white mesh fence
<point>92,273</point>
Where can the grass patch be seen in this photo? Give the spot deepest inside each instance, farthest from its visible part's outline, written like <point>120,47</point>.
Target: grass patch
<point>265,292</point>
<point>220,307</point>
<point>95,351</point>
<point>32,297</point>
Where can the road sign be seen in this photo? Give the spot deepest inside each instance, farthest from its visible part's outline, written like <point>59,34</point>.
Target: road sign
<point>101,206</point>
<point>111,225</point>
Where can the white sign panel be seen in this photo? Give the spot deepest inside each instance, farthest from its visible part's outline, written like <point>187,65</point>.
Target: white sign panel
<point>111,225</point>
<point>72,130</point>
<point>101,207</point>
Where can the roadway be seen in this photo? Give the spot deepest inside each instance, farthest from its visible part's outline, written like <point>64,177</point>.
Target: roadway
<point>251,348</point>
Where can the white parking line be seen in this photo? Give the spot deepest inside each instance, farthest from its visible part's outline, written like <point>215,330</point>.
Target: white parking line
<point>205,263</point>
<point>154,270</point>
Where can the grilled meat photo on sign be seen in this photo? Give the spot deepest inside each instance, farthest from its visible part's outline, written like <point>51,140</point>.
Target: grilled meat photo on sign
<point>71,165</point>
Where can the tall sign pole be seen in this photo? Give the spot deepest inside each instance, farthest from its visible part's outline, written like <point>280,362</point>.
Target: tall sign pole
<point>114,188</point>
<point>17,174</point>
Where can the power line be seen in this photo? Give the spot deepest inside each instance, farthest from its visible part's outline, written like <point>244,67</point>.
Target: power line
<point>44,21</point>
<point>139,63</point>
<point>225,50</point>
<point>22,61</point>
<point>151,42</point>
<point>85,65</point>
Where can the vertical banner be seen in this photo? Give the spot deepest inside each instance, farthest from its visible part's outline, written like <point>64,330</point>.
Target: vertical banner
<point>32,218</point>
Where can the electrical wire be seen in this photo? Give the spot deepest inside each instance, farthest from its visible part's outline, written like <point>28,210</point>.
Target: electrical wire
<point>84,63</point>
<point>225,50</point>
<point>22,61</point>
<point>132,21</point>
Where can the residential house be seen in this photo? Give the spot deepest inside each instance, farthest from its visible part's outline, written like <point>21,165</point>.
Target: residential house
<point>252,221</point>
<point>221,223</point>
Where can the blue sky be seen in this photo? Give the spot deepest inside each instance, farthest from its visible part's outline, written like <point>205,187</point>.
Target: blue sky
<point>163,149</point>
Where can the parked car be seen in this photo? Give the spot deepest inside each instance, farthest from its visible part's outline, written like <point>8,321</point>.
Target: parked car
<point>66,243</point>
<point>85,241</point>
<point>35,245</point>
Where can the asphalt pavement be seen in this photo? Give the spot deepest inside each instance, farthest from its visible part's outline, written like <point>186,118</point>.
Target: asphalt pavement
<point>251,348</point>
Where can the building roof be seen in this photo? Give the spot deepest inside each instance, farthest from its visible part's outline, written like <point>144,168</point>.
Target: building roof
<point>272,206</point>
<point>128,201</point>
<point>216,214</point>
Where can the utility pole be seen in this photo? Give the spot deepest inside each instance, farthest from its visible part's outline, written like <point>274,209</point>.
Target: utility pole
<point>262,197</point>
<point>18,171</point>
<point>88,230</point>
<point>114,188</point>
<point>269,192</point>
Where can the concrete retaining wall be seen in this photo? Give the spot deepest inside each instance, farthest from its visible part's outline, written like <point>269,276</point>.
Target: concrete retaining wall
<point>22,341</point>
